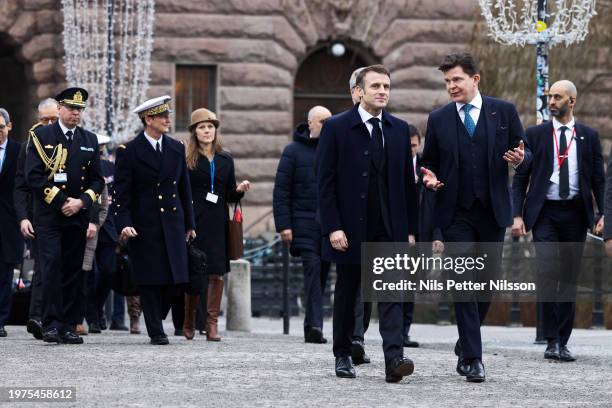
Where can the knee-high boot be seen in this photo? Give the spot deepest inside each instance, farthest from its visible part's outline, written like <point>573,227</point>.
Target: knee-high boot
<point>215,291</point>
<point>191,302</point>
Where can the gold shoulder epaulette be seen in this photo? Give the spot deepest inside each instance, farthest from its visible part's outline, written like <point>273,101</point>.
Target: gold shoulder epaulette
<point>121,146</point>
<point>36,126</point>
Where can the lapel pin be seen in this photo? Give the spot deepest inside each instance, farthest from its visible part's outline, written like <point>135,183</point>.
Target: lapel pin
<point>493,113</point>
<point>581,137</point>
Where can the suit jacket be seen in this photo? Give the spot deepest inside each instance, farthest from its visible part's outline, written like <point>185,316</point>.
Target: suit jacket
<point>153,196</point>
<point>11,241</point>
<point>84,180</point>
<point>441,155</point>
<point>528,202</point>
<point>343,163</point>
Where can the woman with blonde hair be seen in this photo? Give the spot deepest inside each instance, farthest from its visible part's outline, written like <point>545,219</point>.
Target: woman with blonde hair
<point>213,184</point>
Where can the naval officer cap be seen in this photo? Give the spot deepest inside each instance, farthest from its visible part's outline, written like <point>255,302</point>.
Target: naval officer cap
<point>75,97</point>
<point>152,107</point>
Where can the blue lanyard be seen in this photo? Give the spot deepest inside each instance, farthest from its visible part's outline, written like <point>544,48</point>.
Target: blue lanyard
<point>212,175</point>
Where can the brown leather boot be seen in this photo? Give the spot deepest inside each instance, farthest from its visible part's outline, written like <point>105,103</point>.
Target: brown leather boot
<point>81,330</point>
<point>215,290</point>
<point>191,301</point>
<point>134,325</point>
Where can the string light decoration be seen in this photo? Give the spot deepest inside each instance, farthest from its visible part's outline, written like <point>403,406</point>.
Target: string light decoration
<point>532,23</point>
<point>108,45</point>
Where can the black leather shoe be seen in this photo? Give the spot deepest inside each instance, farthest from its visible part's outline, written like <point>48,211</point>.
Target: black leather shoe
<point>102,324</point>
<point>121,327</point>
<point>35,328</point>
<point>399,368</point>
<point>476,372</point>
<point>552,351</point>
<point>358,354</point>
<point>95,328</point>
<point>462,366</point>
<point>314,335</point>
<point>51,336</point>
<point>71,337</point>
<point>458,349</point>
<point>159,340</point>
<point>3,332</point>
<point>344,367</point>
<point>410,343</point>
<point>565,355</point>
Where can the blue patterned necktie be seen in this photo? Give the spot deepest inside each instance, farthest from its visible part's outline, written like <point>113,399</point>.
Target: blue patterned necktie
<point>468,122</point>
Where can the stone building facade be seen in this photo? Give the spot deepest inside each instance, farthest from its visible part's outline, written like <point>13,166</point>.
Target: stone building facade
<point>250,54</point>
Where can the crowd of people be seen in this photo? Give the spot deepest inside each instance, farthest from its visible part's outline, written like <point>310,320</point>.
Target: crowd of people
<point>360,176</point>
<point>347,178</point>
<point>80,212</point>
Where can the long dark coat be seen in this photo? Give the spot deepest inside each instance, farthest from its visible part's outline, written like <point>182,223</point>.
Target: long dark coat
<point>153,195</point>
<point>295,193</point>
<point>212,219</point>
<point>11,241</point>
<point>343,165</point>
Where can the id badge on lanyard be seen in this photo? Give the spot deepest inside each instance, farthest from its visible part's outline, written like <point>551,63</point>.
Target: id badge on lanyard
<point>211,196</point>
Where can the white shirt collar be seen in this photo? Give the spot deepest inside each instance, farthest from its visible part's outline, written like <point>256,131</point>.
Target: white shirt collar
<point>64,128</point>
<point>557,125</point>
<point>153,141</point>
<point>365,115</point>
<point>476,102</point>
<point>3,145</point>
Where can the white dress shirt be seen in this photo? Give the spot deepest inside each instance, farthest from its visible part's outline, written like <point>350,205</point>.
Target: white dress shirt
<point>474,112</point>
<point>414,166</point>
<point>154,142</point>
<point>572,161</point>
<point>3,153</point>
<point>366,116</point>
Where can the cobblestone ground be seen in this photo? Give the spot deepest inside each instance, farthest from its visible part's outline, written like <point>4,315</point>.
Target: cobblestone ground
<point>266,368</point>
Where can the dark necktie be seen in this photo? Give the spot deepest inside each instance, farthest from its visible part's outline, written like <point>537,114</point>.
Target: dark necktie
<point>69,138</point>
<point>378,150</point>
<point>158,149</point>
<point>564,189</point>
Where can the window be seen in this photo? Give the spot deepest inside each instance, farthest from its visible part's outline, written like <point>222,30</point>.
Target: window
<point>195,87</point>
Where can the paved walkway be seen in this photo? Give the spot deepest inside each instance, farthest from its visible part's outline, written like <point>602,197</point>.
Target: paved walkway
<point>266,368</point>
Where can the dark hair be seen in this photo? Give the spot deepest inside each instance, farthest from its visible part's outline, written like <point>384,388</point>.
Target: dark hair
<point>372,68</point>
<point>413,131</point>
<point>466,61</point>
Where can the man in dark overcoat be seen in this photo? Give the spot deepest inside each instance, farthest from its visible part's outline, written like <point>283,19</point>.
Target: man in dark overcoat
<point>367,193</point>
<point>153,209</point>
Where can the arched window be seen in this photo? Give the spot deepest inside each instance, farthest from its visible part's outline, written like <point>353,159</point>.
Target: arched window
<point>16,92</point>
<point>323,79</point>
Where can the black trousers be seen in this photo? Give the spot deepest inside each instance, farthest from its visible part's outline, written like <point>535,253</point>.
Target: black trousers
<point>35,311</point>
<point>60,262</point>
<point>156,301</point>
<point>559,221</point>
<point>6,290</point>
<point>408,316</point>
<point>363,313</point>
<point>315,278</point>
<point>389,314</point>
<point>473,225</point>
